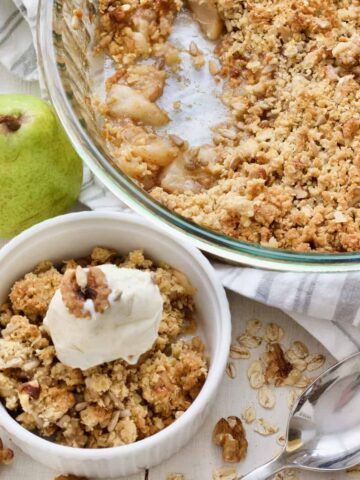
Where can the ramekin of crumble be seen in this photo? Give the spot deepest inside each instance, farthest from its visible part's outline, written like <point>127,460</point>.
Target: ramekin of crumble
<point>117,417</point>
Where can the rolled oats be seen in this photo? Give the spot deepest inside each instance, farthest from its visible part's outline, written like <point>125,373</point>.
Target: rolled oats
<point>266,397</point>
<point>249,341</point>
<point>231,370</point>
<point>254,367</point>
<point>273,333</point>
<point>253,326</point>
<point>300,349</point>
<point>225,473</point>
<point>239,352</point>
<point>175,476</point>
<point>287,475</point>
<point>315,361</point>
<point>299,364</point>
<point>265,428</point>
<point>249,415</point>
<point>292,398</point>
<point>257,380</point>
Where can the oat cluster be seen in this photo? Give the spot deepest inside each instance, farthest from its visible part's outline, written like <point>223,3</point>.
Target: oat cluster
<point>111,404</point>
<point>283,169</point>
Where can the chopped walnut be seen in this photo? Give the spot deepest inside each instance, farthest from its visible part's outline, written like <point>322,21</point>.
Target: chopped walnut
<point>230,435</point>
<point>277,368</point>
<point>75,293</point>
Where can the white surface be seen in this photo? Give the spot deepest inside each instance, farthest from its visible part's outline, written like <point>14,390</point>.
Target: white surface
<point>199,457</point>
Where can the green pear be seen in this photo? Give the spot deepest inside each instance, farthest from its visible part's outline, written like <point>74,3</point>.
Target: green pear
<point>40,172</point>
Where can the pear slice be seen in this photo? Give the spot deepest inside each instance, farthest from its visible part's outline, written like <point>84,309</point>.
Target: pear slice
<point>124,101</point>
<point>207,15</point>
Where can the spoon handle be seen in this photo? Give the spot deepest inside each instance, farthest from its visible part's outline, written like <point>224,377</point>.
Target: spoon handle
<point>265,471</point>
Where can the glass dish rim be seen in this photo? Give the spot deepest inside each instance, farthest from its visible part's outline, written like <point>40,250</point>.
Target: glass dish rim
<point>222,246</point>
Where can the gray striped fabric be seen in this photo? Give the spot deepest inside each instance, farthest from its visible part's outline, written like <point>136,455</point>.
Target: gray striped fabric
<point>327,305</point>
<point>17,51</point>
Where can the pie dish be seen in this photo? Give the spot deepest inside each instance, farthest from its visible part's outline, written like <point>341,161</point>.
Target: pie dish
<point>257,220</point>
<point>55,240</point>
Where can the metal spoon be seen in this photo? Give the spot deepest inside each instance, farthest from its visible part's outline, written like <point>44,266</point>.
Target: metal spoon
<point>323,433</point>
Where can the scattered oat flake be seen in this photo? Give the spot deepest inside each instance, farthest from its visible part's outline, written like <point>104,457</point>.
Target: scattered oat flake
<point>281,440</point>
<point>287,475</point>
<point>175,476</point>
<point>299,364</point>
<point>265,428</point>
<point>257,380</point>
<point>254,367</point>
<point>266,397</point>
<point>253,326</point>
<point>239,352</point>
<point>273,333</point>
<point>225,473</point>
<point>249,341</point>
<point>300,349</point>
<point>315,361</point>
<point>249,415</point>
<point>231,370</point>
<point>291,399</point>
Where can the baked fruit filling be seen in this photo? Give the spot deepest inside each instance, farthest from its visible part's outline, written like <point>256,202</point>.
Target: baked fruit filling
<point>283,166</point>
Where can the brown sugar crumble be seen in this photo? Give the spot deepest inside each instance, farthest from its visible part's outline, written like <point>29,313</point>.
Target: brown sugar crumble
<point>283,169</point>
<point>114,403</point>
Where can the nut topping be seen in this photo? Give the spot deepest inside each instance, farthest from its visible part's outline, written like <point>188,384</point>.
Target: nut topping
<point>230,435</point>
<point>31,388</point>
<point>75,291</point>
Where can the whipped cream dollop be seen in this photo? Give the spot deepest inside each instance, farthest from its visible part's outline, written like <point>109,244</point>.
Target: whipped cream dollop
<point>125,328</point>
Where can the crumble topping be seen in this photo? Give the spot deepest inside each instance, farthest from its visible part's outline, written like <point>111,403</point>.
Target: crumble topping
<point>283,169</point>
<point>114,403</point>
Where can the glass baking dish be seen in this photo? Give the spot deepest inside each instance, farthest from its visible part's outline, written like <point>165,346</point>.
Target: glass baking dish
<point>72,74</point>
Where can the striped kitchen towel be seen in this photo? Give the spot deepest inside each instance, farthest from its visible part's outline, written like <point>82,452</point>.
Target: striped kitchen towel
<point>17,25</point>
<point>327,305</point>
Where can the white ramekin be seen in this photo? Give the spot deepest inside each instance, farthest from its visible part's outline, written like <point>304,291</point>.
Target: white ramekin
<point>74,235</point>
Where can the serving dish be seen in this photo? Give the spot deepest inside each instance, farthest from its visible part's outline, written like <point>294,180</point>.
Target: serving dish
<point>72,75</point>
<point>73,235</point>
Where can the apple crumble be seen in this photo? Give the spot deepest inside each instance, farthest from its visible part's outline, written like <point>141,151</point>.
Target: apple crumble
<point>111,404</point>
<point>283,168</point>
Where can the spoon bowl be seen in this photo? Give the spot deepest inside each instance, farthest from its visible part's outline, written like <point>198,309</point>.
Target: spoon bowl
<point>323,430</point>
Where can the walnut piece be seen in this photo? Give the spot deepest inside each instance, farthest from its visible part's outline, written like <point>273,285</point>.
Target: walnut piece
<point>74,295</point>
<point>230,435</point>
<point>277,368</point>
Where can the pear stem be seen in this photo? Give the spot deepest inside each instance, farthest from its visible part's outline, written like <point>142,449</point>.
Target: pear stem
<point>11,122</point>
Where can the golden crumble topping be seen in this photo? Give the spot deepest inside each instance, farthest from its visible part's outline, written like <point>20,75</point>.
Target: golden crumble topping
<point>283,169</point>
<point>114,403</point>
